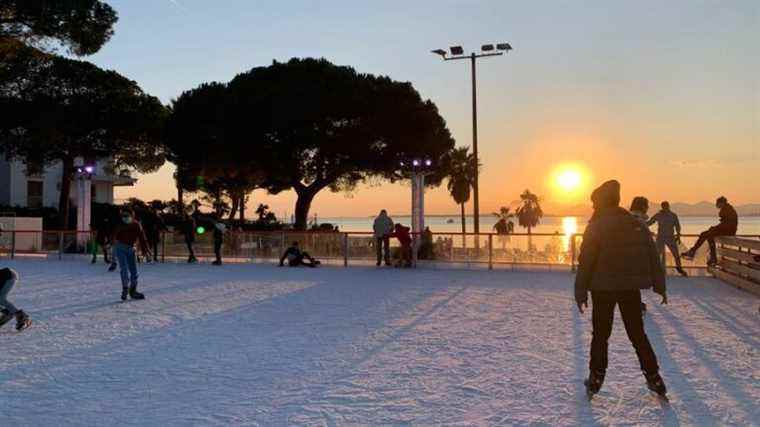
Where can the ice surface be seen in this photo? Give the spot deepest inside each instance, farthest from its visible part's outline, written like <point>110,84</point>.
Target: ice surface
<point>261,345</point>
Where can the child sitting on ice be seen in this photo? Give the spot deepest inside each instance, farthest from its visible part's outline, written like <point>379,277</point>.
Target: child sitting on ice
<point>297,258</point>
<point>8,278</point>
<point>402,234</point>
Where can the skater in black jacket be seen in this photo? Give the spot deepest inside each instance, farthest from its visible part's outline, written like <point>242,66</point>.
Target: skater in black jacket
<point>618,258</point>
<point>8,279</point>
<point>729,222</point>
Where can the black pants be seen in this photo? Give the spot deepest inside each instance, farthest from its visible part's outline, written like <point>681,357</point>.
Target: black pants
<point>218,250</point>
<point>153,243</point>
<point>382,244</point>
<point>189,244</point>
<point>303,259</point>
<point>709,235</point>
<point>603,314</point>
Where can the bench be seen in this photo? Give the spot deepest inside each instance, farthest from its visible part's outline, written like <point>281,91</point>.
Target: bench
<point>738,264</point>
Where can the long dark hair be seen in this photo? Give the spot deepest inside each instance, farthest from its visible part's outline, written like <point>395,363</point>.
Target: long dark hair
<point>639,204</point>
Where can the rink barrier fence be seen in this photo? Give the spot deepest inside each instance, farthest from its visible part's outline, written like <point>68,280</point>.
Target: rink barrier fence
<point>738,263</point>
<point>460,250</point>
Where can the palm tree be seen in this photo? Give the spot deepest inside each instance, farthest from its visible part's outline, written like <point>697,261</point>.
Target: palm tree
<point>504,213</point>
<point>461,176</point>
<point>459,189</point>
<point>529,212</point>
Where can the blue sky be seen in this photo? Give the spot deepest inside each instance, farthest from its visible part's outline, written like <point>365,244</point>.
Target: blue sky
<point>662,95</point>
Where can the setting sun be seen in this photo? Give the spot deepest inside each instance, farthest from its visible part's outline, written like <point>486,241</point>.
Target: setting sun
<point>568,183</point>
<point>569,180</point>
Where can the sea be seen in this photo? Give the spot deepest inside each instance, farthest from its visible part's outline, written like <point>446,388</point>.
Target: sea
<point>564,225</point>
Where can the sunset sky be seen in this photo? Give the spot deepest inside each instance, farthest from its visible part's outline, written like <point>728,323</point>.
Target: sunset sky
<point>664,96</point>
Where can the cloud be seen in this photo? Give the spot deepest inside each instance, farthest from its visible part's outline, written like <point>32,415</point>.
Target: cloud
<point>697,164</point>
<point>178,5</point>
<point>707,163</point>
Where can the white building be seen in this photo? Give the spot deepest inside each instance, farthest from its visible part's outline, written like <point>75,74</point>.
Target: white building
<point>17,188</point>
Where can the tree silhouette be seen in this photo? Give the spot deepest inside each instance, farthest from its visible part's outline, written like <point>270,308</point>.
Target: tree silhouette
<point>529,212</point>
<point>212,153</point>
<point>327,126</point>
<point>82,26</point>
<point>61,110</point>
<point>461,166</point>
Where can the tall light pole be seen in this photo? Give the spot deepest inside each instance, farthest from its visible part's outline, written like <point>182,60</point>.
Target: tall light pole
<point>417,168</point>
<point>486,51</point>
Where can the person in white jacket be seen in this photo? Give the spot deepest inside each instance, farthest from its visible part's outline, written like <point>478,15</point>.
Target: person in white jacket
<point>382,228</point>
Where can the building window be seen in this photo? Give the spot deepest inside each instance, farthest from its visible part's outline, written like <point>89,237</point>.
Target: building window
<point>34,168</point>
<point>34,194</point>
<point>94,192</point>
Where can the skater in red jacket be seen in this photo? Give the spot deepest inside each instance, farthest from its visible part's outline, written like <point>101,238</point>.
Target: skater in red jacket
<point>402,234</point>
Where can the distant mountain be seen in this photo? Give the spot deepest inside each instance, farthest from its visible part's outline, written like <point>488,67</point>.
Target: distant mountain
<point>683,209</point>
<point>708,209</point>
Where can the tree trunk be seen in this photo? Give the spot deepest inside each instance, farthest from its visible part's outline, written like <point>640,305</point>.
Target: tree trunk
<point>530,239</point>
<point>303,204</point>
<point>243,198</point>
<point>180,198</point>
<point>234,207</point>
<point>464,227</point>
<point>63,200</point>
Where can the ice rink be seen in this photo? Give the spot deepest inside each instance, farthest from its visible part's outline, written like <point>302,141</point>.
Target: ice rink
<point>261,345</point>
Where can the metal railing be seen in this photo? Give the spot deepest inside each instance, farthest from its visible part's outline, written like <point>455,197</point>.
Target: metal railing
<point>489,250</point>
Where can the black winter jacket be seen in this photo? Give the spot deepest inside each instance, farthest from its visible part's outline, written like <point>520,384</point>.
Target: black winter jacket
<point>617,254</point>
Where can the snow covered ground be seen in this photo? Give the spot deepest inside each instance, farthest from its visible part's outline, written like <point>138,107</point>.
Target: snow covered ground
<point>259,345</point>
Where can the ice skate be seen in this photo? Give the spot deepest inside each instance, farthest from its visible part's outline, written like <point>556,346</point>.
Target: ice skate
<point>656,384</point>
<point>124,293</point>
<point>134,294</point>
<point>594,383</point>
<point>22,320</point>
<point>682,272</point>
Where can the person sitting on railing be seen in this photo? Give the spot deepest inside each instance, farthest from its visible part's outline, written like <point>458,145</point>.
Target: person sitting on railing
<point>668,234</point>
<point>402,234</point>
<point>729,222</point>
<point>297,258</point>
<point>125,236</point>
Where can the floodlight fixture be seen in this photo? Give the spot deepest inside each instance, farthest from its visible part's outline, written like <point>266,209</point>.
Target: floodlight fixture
<point>440,52</point>
<point>456,50</point>
<point>486,47</point>
<point>503,46</point>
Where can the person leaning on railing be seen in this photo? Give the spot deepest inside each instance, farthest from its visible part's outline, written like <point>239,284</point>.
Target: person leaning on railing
<point>382,227</point>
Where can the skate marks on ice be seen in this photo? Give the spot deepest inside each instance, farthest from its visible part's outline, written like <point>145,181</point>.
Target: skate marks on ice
<point>710,363</point>
<point>267,346</point>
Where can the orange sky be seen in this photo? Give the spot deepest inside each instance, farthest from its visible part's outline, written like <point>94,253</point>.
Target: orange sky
<point>663,96</point>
